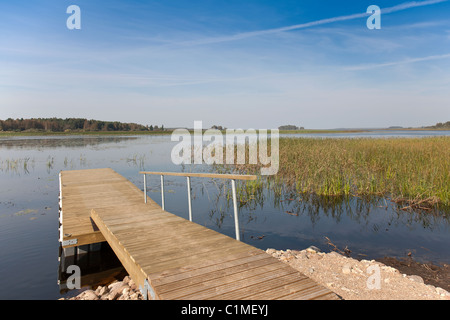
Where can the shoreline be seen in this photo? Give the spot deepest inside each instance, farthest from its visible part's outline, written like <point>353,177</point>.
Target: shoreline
<point>350,278</point>
<point>169,131</point>
<point>354,279</point>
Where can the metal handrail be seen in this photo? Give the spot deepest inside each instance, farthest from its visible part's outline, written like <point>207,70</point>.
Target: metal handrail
<point>232,177</point>
<point>204,175</point>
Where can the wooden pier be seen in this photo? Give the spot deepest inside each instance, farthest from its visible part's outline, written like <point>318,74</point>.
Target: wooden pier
<point>167,256</point>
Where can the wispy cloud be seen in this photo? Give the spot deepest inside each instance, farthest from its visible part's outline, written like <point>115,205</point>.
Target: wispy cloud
<point>395,63</point>
<point>244,35</point>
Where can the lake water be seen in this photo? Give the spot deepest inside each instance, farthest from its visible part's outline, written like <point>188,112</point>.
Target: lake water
<point>29,188</point>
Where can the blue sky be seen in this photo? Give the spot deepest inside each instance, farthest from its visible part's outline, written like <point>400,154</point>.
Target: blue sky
<point>240,64</point>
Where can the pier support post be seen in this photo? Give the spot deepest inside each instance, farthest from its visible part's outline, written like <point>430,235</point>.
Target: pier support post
<point>236,218</point>
<point>162,192</point>
<point>189,197</point>
<point>145,188</point>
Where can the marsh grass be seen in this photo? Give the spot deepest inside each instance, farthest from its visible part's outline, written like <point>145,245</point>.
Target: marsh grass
<point>402,168</point>
<point>16,165</point>
<point>137,160</point>
<point>413,172</point>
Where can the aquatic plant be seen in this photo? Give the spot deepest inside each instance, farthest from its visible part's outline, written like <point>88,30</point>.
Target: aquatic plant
<point>413,171</point>
<point>16,165</point>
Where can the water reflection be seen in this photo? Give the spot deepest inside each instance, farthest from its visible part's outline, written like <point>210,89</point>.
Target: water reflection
<point>370,226</point>
<point>53,142</point>
<point>285,199</point>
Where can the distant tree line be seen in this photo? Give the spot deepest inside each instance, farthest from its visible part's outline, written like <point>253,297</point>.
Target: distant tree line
<point>290,127</point>
<point>440,125</point>
<point>69,124</point>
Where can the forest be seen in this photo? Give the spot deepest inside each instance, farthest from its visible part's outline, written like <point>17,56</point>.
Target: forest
<point>70,124</point>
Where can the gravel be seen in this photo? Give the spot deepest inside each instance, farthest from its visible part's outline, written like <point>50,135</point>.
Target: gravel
<point>352,279</point>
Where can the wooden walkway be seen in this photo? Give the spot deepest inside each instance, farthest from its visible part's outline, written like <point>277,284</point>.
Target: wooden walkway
<point>167,256</point>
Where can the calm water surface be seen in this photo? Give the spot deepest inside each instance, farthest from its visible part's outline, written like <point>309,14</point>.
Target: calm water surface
<point>29,187</point>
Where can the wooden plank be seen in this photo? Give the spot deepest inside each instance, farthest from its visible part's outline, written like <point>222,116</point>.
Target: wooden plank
<point>216,288</point>
<point>184,238</point>
<point>81,190</point>
<point>211,265</point>
<point>177,263</point>
<point>281,288</point>
<point>86,238</point>
<point>184,252</point>
<point>265,290</point>
<point>136,273</point>
<point>220,272</point>
<point>307,294</point>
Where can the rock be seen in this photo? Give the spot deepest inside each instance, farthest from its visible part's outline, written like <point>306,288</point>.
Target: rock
<point>97,291</point>
<point>135,296</point>
<point>301,255</point>
<point>389,269</point>
<point>120,288</point>
<point>133,285</point>
<point>126,293</point>
<point>113,295</point>
<point>103,291</point>
<point>117,290</point>
<point>356,270</point>
<point>346,269</point>
<point>441,291</point>
<point>88,295</point>
<point>104,297</point>
<point>313,249</point>
<point>334,254</point>
<point>416,278</point>
<point>115,284</point>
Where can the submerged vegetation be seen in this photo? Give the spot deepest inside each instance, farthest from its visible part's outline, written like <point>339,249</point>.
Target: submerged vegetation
<point>413,172</point>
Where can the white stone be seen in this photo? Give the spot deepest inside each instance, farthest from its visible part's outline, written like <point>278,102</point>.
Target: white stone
<point>416,278</point>
<point>88,295</point>
<point>346,269</point>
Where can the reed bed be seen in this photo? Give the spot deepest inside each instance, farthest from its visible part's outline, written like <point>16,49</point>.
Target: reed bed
<point>414,172</point>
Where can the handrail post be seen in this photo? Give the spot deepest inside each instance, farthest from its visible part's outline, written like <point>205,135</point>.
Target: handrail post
<point>162,191</point>
<point>236,218</point>
<point>189,197</point>
<point>145,188</point>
